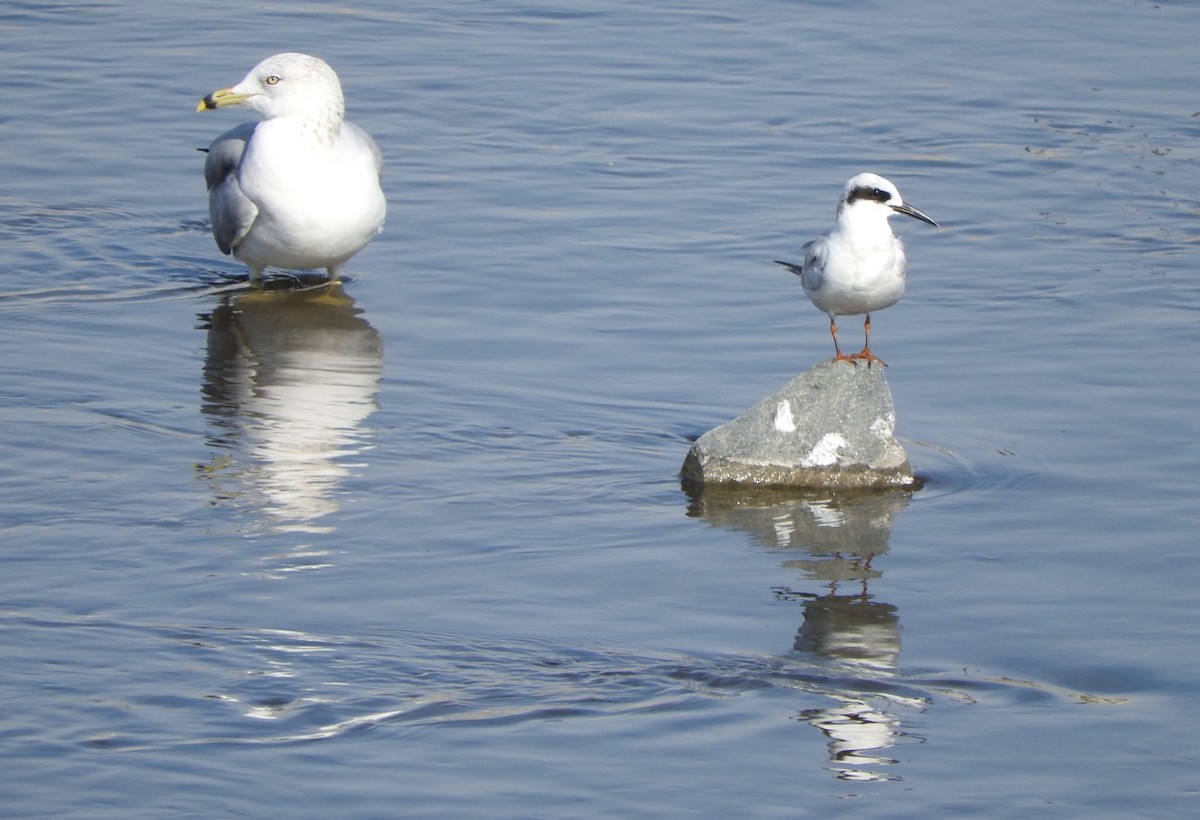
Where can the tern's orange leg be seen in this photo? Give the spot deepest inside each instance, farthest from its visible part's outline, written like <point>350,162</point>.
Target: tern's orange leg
<point>840,356</point>
<point>865,353</point>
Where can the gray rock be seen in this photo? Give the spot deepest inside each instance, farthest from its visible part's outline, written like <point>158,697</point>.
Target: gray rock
<point>832,427</point>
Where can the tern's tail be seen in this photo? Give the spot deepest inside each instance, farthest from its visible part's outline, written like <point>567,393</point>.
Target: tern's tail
<point>796,269</point>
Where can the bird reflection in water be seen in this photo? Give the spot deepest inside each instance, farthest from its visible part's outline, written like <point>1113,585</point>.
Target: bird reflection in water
<point>853,639</point>
<point>290,377</point>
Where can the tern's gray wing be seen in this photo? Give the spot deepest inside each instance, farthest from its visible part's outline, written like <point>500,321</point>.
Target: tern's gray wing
<point>816,254</point>
<point>811,271</point>
<point>231,211</point>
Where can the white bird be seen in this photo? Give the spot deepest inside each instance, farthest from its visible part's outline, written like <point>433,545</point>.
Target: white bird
<point>858,265</point>
<point>300,189</point>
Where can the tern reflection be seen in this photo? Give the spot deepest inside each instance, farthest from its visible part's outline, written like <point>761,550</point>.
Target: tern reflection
<point>833,541</point>
<point>289,379</point>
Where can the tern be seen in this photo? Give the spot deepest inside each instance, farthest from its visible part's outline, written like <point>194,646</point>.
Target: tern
<point>858,265</point>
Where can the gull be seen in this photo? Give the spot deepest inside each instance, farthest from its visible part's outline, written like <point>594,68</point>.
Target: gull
<point>299,189</point>
<point>858,265</point>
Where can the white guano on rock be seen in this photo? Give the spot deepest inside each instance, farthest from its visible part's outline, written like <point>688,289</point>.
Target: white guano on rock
<point>830,427</point>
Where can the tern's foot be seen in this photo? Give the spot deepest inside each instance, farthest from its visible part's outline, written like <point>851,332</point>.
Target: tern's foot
<point>865,355</point>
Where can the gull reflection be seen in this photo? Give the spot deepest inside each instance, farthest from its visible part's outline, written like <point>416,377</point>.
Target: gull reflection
<point>833,540</point>
<point>289,378</point>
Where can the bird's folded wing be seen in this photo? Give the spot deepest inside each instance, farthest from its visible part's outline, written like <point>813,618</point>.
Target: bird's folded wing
<point>816,256</point>
<point>366,139</point>
<point>231,211</point>
<point>811,271</point>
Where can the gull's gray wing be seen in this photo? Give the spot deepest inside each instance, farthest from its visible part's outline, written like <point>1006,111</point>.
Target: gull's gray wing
<point>231,211</point>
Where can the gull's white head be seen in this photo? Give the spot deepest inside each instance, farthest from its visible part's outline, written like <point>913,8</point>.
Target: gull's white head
<point>285,85</point>
<point>869,196</point>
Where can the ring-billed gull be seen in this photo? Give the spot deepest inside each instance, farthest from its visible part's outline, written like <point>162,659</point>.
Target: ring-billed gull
<point>858,265</point>
<point>299,189</point>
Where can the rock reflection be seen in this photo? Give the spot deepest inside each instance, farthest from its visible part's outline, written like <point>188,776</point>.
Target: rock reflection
<point>855,637</point>
<point>289,378</point>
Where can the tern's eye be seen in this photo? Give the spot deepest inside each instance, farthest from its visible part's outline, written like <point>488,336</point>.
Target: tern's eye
<point>868,192</point>
<point>273,80</point>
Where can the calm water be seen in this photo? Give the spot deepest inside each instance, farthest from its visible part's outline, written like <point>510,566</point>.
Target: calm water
<point>417,546</point>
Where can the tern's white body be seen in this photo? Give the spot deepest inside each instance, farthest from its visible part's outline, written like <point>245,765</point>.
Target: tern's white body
<point>858,266</point>
<point>300,189</point>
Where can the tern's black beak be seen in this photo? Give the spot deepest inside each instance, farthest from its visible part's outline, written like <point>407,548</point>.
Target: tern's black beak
<point>909,210</point>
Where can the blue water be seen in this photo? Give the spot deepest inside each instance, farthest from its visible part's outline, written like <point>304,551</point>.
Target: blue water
<point>416,546</point>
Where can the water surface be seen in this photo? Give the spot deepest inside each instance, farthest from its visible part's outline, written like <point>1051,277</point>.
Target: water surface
<point>417,545</point>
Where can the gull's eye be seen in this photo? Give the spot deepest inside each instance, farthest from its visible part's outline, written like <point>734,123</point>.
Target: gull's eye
<point>273,80</point>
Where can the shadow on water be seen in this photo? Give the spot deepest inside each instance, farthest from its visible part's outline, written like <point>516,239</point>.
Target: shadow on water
<point>290,376</point>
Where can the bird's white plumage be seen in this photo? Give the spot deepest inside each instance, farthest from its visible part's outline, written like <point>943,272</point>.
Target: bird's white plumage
<point>858,266</point>
<point>300,189</point>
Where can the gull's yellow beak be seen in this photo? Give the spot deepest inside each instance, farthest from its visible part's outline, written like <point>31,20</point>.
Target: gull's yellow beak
<point>221,98</point>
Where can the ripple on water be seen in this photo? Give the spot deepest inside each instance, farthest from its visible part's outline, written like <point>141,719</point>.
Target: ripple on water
<point>948,472</point>
<point>81,253</point>
<point>270,686</point>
